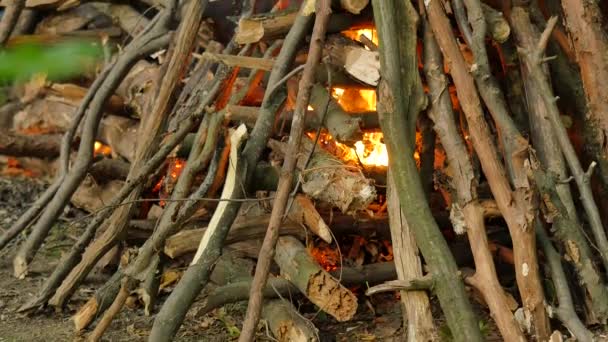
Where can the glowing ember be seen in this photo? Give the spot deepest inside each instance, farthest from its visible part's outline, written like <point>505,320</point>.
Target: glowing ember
<point>326,256</point>
<point>176,166</point>
<point>101,149</point>
<point>165,185</point>
<point>15,169</point>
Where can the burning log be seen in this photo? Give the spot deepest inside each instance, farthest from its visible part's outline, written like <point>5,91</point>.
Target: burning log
<point>340,124</point>
<point>326,178</point>
<point>286,323</point>
<point>315,283</point>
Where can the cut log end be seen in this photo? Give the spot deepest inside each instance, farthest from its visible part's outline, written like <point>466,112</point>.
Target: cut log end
<point>85,315</point>
<point>354,6</point>
<point>20,267</point>
<point>286,324</point>
<point>336,300</point>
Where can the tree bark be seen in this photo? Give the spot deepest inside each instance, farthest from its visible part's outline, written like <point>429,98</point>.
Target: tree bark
<point>584,21</point>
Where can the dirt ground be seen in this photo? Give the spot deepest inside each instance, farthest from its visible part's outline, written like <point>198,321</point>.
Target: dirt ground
<point>378,319</point>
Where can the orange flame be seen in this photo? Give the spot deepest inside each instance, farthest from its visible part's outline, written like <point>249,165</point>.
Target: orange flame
<point>355,34</point>
<point>101,149</point>
<point>355,100</point>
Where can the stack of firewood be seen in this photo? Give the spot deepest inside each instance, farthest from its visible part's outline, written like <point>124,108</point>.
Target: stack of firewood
<point>210,135</point>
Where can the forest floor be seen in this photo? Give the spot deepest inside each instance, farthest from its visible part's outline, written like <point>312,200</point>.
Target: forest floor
<point>378,319</point>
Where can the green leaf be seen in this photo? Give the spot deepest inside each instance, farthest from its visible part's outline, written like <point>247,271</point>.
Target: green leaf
<point>59,61</point>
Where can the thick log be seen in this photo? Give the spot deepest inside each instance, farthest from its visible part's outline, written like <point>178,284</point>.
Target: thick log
<point>138,89</point>
<point>53,114</point>
<point>280,287</point>
<point>187,241</point>
<point>121,134</point>
<point>287,324</point>
<point>19,145</point>
<point>271,26</point>
<point>352,6</point>
<point>264,27</point>
<point>315,283</point>
<point>72,93</point>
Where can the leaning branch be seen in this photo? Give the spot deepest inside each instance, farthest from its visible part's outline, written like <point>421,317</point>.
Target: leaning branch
<point>400,99</point>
